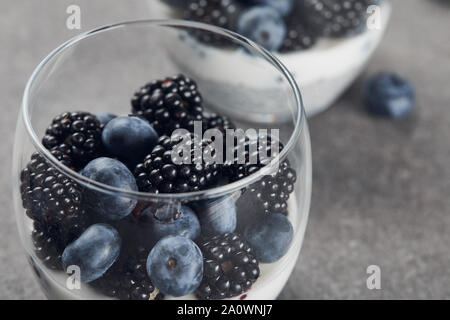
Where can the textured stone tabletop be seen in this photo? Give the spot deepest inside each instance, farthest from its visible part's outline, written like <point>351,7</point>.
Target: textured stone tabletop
<point>380,189</point>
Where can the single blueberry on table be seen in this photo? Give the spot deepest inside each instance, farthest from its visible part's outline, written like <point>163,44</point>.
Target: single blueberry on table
<point>129,138</point>
<point>105,117</point>
<point>389,95</point>
<point>264,25</point>
<point>169,220</point>
<point>175,266</point>
<point>217,216</point>
<point>93,252</point>
<point>113,173</point>
<point>270,236</point>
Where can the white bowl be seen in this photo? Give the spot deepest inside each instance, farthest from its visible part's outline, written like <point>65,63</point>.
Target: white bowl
<point>323,72</point>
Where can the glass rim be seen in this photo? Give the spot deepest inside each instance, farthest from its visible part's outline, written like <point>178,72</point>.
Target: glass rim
<point>146,196</point>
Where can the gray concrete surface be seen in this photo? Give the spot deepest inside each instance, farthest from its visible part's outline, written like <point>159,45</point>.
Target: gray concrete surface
<point>381,188</point>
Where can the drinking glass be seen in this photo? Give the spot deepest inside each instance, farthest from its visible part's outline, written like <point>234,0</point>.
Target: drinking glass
<point>99,71</point>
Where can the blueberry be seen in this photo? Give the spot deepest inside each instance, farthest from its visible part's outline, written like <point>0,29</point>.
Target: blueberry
<point>129,138</point>
<point>105,117</point>
<point>270,236</point>
<point>175,266</point>
<point>264,25</point>
<point>93,252</point>
<point>389,95</point>
<point>217,216</point>
<point>282,6</point>
<point>114,173</point>
<point>170,220</point>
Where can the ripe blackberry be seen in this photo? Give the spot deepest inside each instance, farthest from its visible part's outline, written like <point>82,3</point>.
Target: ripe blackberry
<point>220,13</point>
<point>250,155</point>
<point>50,197</point>
<point>216,121</point>
<point>127,279</point>
<point>62,155</point>
<point>47,247</point>
<point>273,191</point>
<point>78,134</point>
<point>169,104</point>
<point>158,173</point>
<point>299,35</point>
<point>230,267</point>
<point>332,18</point>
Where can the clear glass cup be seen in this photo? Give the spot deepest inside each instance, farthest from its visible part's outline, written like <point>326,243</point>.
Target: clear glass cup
<point>98,72</point>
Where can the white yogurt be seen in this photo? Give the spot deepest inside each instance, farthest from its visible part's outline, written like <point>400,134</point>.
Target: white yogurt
<point>322,72</point>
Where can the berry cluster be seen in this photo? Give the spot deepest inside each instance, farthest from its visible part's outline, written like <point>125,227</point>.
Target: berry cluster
<point>220,13</point>
<point>337,18</point>
<point>169,104</point>
<point>278,25</point>
<point>217,121</point>
<point>158,173</point>
<point>127,279</point>
<point>142,250</point>
<point>299,35</point>
<point>273,192</point>
<point>51,198</point>
<point>47,246</point>
<point>230,267</point>
<point>77,134</point>
<point>250,155</point>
